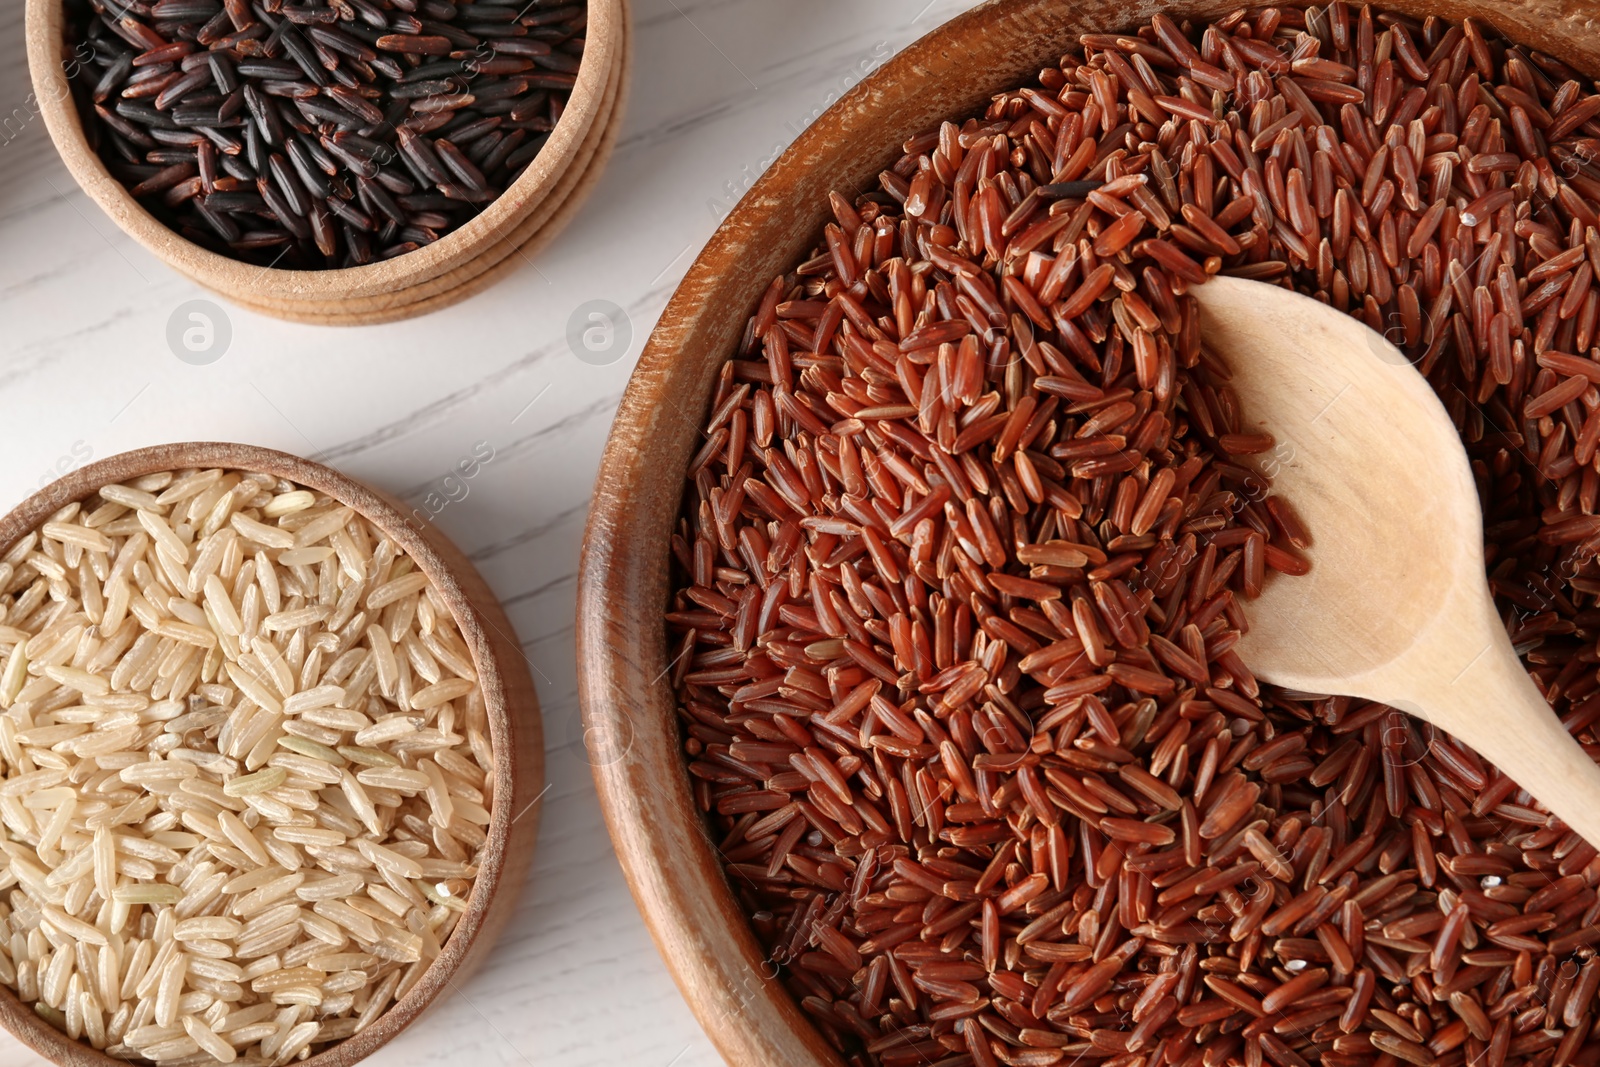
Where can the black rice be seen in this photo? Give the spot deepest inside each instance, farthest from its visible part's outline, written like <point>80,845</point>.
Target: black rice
<point>293,114</point>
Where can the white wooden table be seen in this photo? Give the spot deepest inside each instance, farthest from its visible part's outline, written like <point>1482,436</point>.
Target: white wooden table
<point>718,88</point>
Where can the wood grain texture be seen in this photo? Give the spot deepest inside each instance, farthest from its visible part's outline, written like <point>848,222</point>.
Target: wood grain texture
<point>1397,607</point>
<point>525,216</point>
<point>670,863</point>
<point>515,727</point>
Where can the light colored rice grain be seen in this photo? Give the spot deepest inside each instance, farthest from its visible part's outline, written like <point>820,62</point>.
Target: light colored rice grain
<point>208,1041</point>
<point>352,920</point>
<point>177,487</point>
<point>84,682</point>
<point>221,970</point>
<point>399,779</point>
<point>13,676</point>
<point>216,926</point>
<point>128,497</point>
<point>267,944</point>
<point>253,686</point>
<point>306,769</point>
<point>385,730</point>
<point>380,856</point>
<point>396,590</point>
<point>241,1017</point>
<point>443,647</point>
<point>74,928</point>
<point>320,697</point>
<point>211,727</point>
<point>288,503</point>
<point>324,524</point>
<point>439,799</point>
<point>260,782</point>
<point>346,982</point>
<point>252,1033</point>
<point>436,694</point>
<point>260,533</point>
<point>342,719</point>
<point>69,533</point>
<point>170,987</point>
<point>309,835</point>
<point>297,1040</point>
<point>221,607</point>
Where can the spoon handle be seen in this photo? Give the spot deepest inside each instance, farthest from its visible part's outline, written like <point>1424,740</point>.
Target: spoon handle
<point>1498,710</point>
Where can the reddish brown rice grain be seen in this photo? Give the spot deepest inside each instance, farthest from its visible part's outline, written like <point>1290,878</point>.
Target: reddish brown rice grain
<point>964,546</point>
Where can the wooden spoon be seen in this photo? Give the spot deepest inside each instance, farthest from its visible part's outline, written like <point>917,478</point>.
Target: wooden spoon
<point>1396,607</point>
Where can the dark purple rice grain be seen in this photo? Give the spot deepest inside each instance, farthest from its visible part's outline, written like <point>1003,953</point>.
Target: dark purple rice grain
<point>312,177</point>
<point>308,136</point>
<point>462,166</point>
<point>416,151</point>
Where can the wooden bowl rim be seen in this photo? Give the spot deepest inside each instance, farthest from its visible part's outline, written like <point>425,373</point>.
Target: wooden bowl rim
<point>711,966</point>
<point>604,578</point>
<point>44,24</point>
<point>386,514</point>
<point>538,228</point>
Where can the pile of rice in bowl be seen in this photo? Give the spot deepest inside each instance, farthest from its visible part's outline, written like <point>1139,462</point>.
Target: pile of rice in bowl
<point>244,769</point>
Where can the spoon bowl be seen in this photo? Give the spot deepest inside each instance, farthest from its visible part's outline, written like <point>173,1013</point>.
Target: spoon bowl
<point>1396,607</point>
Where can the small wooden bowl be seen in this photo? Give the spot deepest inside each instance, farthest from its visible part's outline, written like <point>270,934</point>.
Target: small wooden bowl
<point>460,263</point>
<point>667,855</point>
<point>515,730</point>
<point>542,224</point>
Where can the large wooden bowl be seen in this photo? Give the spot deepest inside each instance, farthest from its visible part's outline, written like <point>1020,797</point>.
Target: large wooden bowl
<point>666,853</point>
<point>515,731</point>
<point>522,219</point>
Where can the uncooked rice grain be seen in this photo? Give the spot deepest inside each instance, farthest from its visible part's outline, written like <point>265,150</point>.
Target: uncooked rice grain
<point>199,669</point>
<point>962,558</point>
<point>317,136</point>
